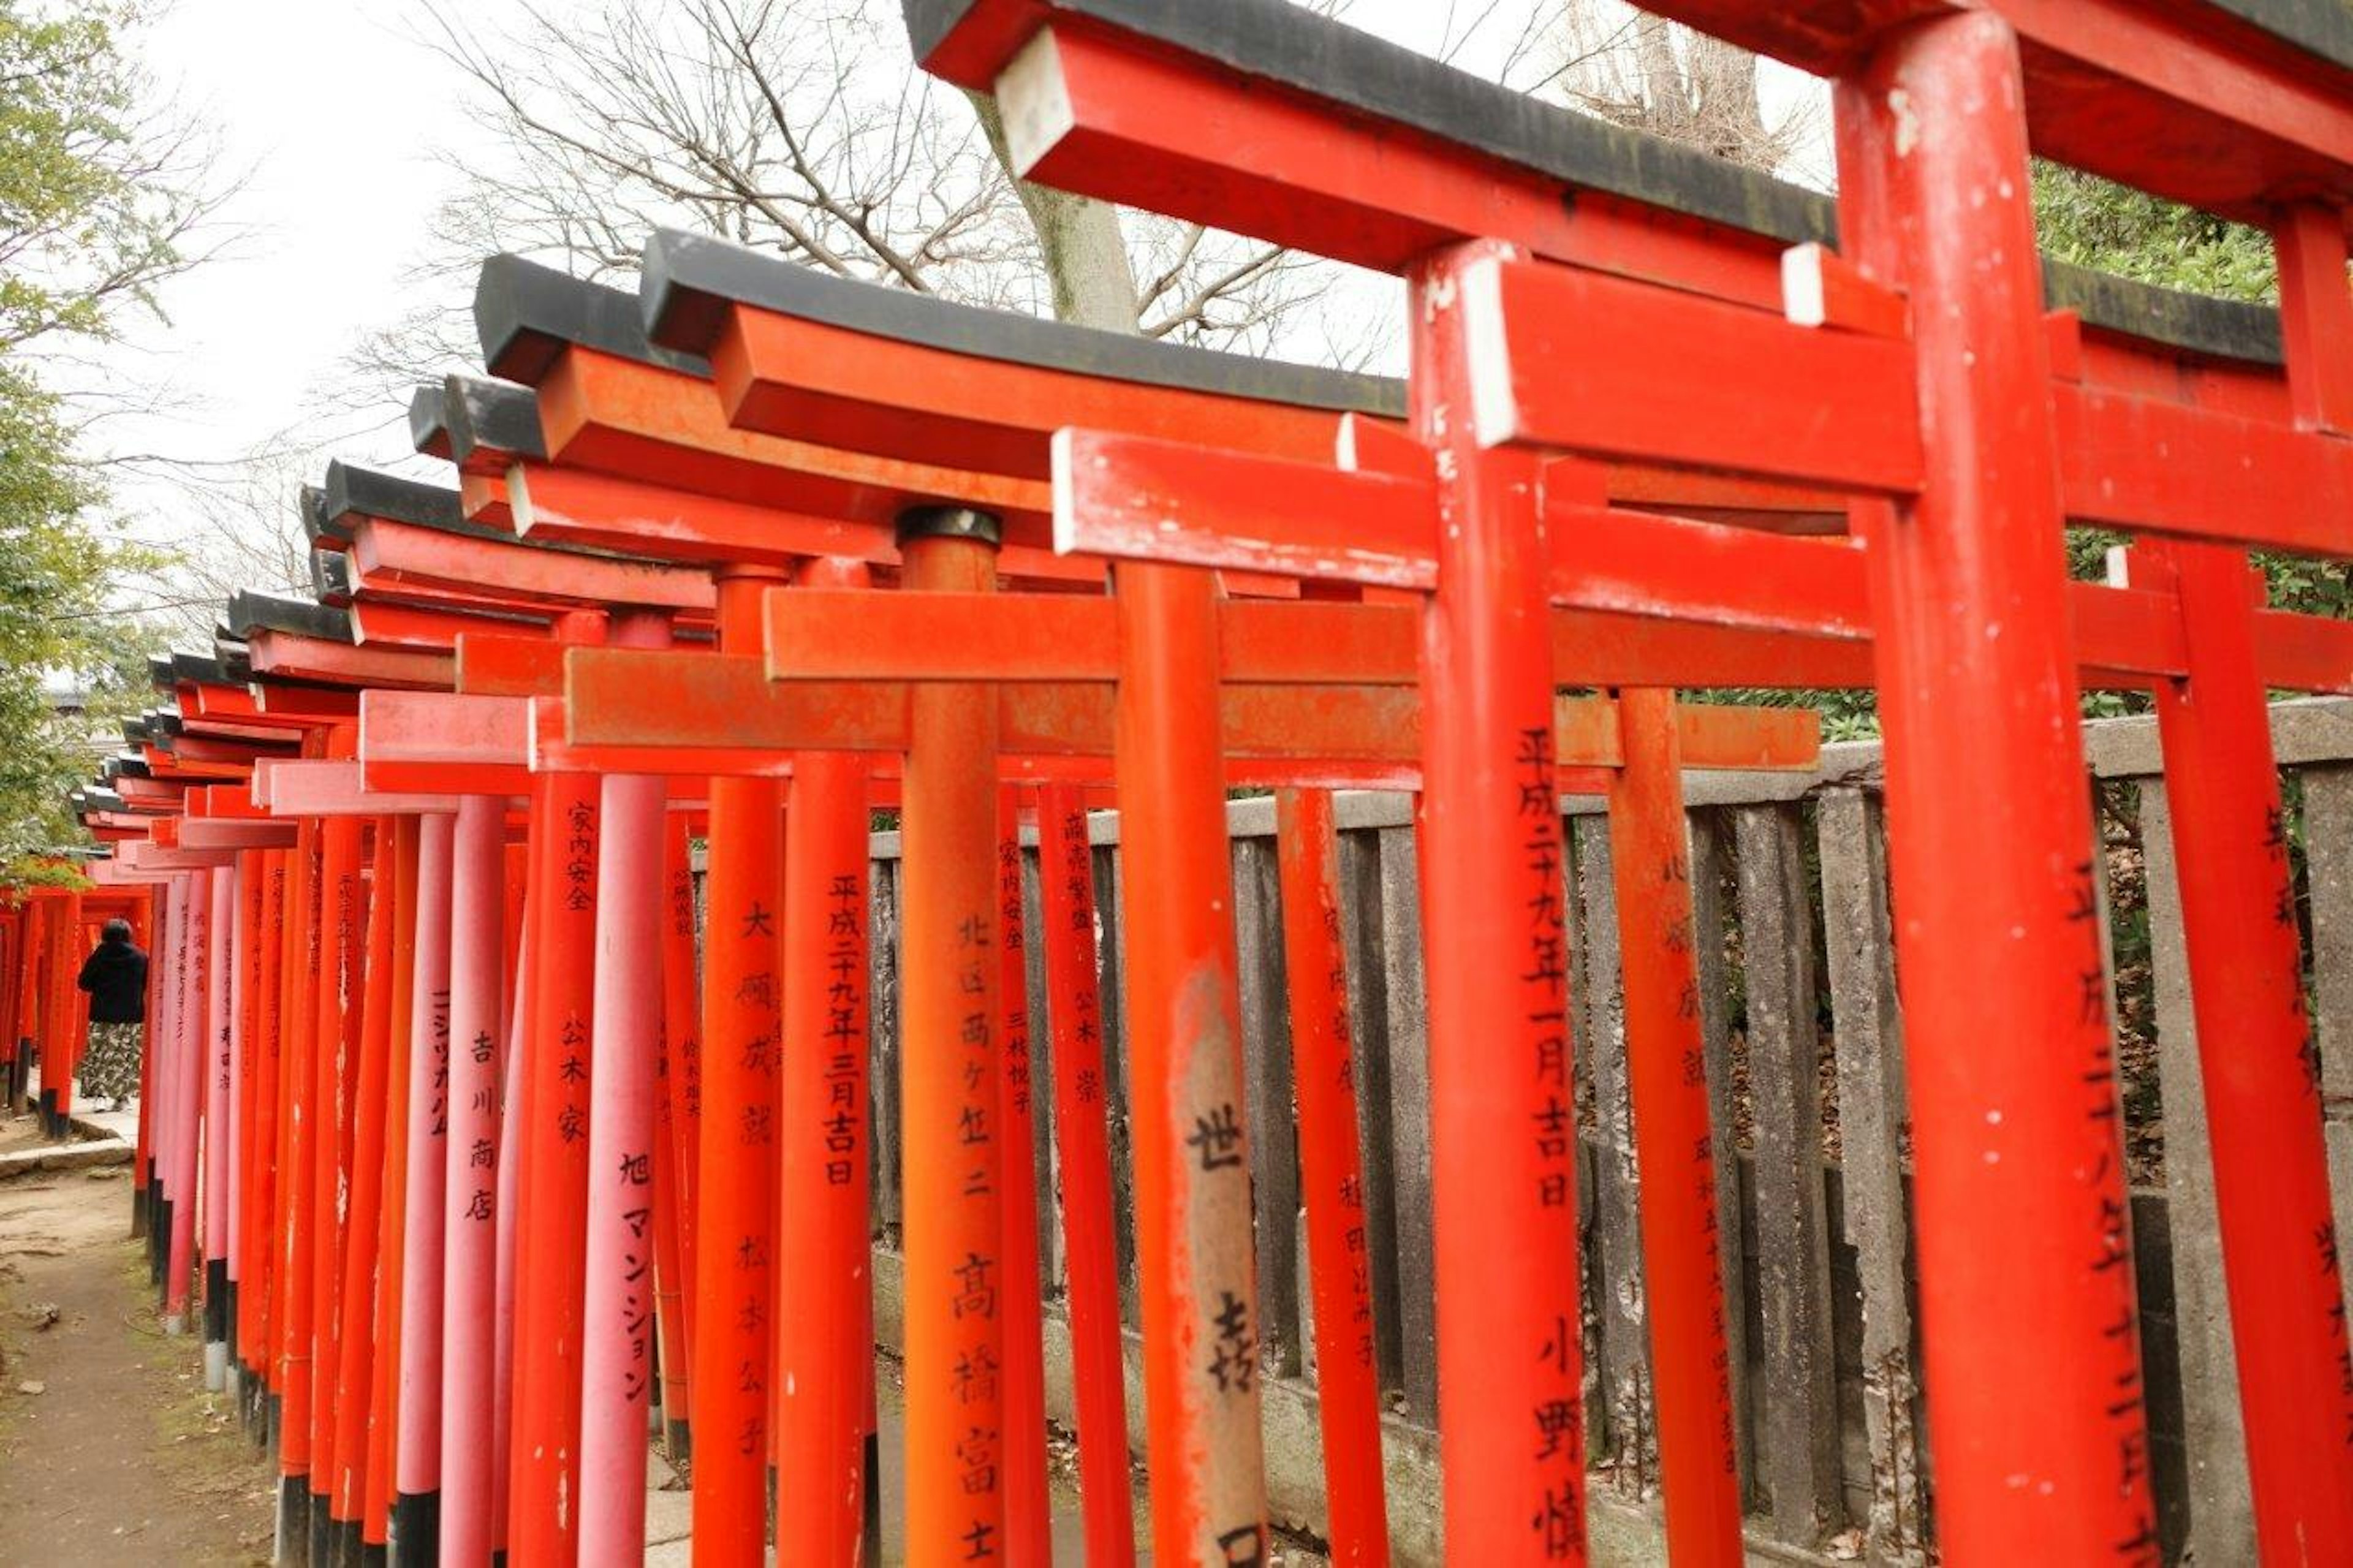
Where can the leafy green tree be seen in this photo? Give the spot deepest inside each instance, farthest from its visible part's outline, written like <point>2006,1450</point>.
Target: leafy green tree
<point>2095,223</point>
<point>98,202</point>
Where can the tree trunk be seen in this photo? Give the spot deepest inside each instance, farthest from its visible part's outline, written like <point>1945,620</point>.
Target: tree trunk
<point>1079,237</point>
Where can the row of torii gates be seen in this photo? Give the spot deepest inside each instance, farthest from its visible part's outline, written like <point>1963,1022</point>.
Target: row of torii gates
<point>469,1147</point>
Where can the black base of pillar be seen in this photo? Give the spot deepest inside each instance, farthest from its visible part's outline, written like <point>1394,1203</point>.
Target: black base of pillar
<point>139,1210</point>
<point>228,1313</point>
<point>322,1532</point>
<point>416,1530</point>
<point>873,1519</point>
<point>49,1112</point>
<point>159,1240</point>
<point>215,1300</point>
<point>294,1522</point>
<point>350,1550</point>
<point>679,1437</point>
<point>374,1556</point>
<point>270,1418</point>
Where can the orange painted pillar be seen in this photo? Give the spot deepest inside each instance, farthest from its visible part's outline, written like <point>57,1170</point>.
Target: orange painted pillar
<point>821,1208</point>
<point>337,984</point>
<point>951,1140</point>
<point>1332,1177</point>
<point>251,874</point>
<point>255,1313</point>
<point>553,1178</point>
<point>1081,1129</point>
<point>735,1181</point>
<point>298,1145</point>
<point>1028,1516</point>
<point>392,1224</point>
<point>355,1337</point>
<point>1682,1267</point>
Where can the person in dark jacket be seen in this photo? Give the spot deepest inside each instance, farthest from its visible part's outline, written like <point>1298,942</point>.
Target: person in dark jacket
<point>115,975</point>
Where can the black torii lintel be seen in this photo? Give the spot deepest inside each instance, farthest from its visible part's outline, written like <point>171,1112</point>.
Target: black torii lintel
<point>688,280</point>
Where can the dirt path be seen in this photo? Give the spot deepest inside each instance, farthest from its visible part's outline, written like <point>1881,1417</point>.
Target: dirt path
<point>120,1458</point>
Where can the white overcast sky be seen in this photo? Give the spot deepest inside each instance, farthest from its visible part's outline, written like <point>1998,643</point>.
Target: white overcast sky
<point>336,111</point>
<point>340,113</point>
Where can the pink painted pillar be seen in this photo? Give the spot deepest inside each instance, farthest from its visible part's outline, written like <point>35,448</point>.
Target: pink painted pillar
<point>168,961</point>
<point>241,884</point>
<point>219,967</point>
<point>417,1466</point>
<point>470,1202</point>
<point>624,1034</point>
<point>189,1014</point>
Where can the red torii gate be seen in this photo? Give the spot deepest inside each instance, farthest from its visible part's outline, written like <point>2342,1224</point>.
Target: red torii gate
<point>1959,503</point>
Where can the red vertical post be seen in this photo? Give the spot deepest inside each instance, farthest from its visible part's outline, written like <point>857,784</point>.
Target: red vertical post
<point>44,1026</point>
<point>2259,1061</point>
<point>951,1146</point>
<point>335,984</point>
<point>1081,1131</point>
<point>11,940</point>
<point>1682,1267</point>
<point>416,1526</point>
<point>1193,1227</point>
<point>551,1180</point>
<point>72,1012</point>
<point>470,1203</point>
<point>255,1315</point>
<point>1496,947</point>
<point>617,1310</point>
<point>298,1146</point>
<point>1028,1517</point>
<point>355,1340</point>
<point>1332,1175</point>
<point>821,1207</point>
<point>736,1179</point>
<point>515,1067</point>
<point>392,1221</point>
<point>682,1037</point>
<point>28,1028</point>
<point>2041,1440</point>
